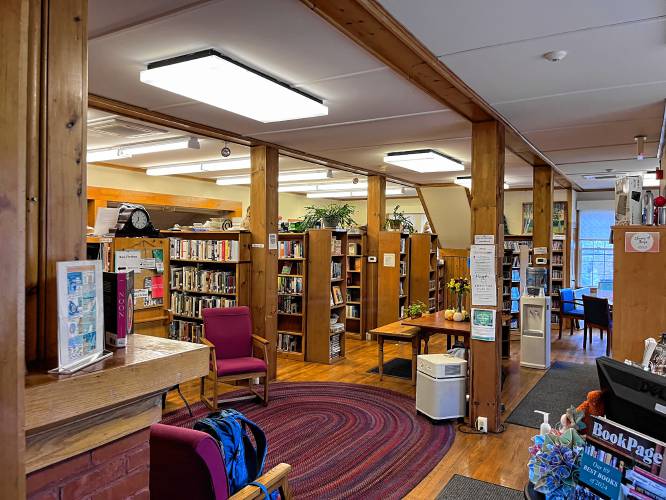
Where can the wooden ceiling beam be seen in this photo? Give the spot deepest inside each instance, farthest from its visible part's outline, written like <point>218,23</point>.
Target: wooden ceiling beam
<point>370,26</point>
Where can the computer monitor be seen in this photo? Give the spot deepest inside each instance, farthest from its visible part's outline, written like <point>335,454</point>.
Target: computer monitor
<point>633,397</point>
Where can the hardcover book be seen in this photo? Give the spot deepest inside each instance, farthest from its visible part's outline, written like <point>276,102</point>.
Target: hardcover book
<point>118,307</point>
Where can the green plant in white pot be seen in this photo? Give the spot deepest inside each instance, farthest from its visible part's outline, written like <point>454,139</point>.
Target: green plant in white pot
<point>330,216</point>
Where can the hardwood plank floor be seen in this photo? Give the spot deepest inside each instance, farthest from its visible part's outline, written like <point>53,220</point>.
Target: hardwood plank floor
<point>500,458</point>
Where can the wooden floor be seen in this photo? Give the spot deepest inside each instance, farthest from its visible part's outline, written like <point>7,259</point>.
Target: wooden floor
<point>499,459</point>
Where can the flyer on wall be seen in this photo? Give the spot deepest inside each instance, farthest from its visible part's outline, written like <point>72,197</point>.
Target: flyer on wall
<point>80,314</point>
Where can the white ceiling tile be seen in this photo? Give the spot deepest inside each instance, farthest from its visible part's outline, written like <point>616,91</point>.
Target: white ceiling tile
<point>447,26</point>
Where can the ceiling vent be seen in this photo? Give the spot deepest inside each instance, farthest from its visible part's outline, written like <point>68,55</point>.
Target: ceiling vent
<point>124,129</point>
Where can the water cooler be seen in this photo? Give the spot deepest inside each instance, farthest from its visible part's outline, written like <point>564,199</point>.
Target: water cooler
<point>441,386</point>
<point>535,318</point>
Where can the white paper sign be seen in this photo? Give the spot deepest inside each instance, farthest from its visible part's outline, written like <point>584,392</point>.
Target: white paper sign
<point>128,260</point>
<point>105,220</point>
<point>483,278</point>
<point>147,264</point>
<point>389,260</point>
<point>483,324</point>
<point>140,293</point>
<point>272,241</point>
<point>484,239</point>
<point>540,251</point>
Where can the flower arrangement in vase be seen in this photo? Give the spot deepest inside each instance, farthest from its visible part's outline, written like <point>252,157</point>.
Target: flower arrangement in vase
<point>459,287</point>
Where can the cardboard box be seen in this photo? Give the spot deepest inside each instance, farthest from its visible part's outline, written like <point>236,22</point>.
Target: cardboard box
<point>118,308</point>
<point>628,191</point>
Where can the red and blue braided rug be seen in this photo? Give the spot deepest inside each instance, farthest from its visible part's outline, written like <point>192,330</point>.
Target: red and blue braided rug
<point>343,440</point>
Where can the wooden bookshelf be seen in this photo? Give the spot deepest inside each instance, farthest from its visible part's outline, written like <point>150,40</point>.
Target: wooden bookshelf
<point>321,283</point>
<point>423,280</point>
<point>292,295</point>
<point>207,269</point>
<point>355,298</point>
<point>393,280</point>
<point>512,245</point>
<point>558,269</point>
<point>441,285</point>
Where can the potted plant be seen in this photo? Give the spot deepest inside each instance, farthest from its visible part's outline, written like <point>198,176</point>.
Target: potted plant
<point>458,287</point>
<point>330,216</point>
<point>416,310</point>
<point>397,221</point>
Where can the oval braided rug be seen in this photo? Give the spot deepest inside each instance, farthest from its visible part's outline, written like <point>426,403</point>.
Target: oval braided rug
<point>343,440</point>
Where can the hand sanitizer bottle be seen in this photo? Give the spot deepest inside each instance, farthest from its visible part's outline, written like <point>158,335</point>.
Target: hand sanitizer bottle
<point>545,426</point>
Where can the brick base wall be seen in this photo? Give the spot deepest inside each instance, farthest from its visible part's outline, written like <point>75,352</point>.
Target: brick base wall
<point>118,470</point>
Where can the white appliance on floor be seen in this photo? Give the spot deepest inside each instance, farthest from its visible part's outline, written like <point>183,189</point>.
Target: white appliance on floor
<point>441,386</point>
<point>535,332</point>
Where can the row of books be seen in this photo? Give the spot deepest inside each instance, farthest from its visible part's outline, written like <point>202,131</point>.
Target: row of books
<point>206,250</point>
<point>558,245</point>
<point>202,280</point>
<point>432,284</point>
<point>354,311</point>
<point>185,330</point>
<point>193,305</point>
<point>403,267</point>
<point>290,249</point>
<point>514,245</point>
<point>336,246</point>
<point>290,284</point>
<point>292,268</point>
<point>335,345</point>
<point>556,274</point>
<point>289,304</point>
<point>403,245</point>
<point>288,343</point>
<point>354,249</point>
<point>557,259</point>
<point>336,270</point>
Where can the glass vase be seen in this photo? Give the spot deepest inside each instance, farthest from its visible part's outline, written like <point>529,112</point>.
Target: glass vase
<point>459,306</point>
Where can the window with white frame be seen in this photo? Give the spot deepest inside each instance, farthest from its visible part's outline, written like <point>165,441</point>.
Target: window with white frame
<point>595,249</point>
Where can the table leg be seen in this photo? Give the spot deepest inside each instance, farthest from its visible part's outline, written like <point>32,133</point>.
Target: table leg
<point>416,344</point>
<point>426,339</point>
<point>380,346</point>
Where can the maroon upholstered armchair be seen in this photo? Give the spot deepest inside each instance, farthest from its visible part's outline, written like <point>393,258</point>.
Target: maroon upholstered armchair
<point>228,333</point>
<point>185,463</point>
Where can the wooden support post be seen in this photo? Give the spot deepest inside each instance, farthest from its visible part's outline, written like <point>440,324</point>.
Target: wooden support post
<point>13,149</point>
<point>542,202</point>
<point>487,218</point>
<point>376,218</point>
<point>263,224</point>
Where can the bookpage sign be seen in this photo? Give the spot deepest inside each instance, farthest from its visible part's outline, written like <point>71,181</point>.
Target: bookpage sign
<point>80,314</point>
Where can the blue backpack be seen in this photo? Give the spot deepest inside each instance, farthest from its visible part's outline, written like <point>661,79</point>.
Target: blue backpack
<point>243,462</point>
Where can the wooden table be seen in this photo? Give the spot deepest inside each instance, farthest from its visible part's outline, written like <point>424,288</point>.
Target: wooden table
<point>431,324</point>
<point>400,333</point>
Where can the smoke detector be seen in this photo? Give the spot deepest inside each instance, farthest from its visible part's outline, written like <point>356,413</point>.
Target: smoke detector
<point>555,55</point>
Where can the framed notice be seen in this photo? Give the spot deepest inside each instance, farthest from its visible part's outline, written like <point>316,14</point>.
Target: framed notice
<point>641,242</point>
<point>80,314</point>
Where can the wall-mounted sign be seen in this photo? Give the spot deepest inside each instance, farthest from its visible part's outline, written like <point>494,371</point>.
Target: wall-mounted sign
<point>641,242</point>
<point>540,250</point>
<point>389,260</point>
<point>484,239</point>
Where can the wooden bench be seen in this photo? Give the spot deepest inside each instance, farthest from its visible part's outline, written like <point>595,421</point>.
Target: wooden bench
<point>400,333</point>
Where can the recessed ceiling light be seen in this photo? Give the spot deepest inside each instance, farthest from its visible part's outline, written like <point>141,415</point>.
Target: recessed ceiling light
<point>424,161</point>
<point>212,78</point>
<point>555,55</point>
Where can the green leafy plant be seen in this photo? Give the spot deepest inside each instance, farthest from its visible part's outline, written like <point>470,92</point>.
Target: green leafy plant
<point>330,216</point>
<point>416,309</point>
<point>397,220</point>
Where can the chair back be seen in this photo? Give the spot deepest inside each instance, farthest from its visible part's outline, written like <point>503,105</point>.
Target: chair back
<point>185,463</point>
<point>597,311</point>
<point>229,329</point>
<point>579,292</point>
<point>567,298</point>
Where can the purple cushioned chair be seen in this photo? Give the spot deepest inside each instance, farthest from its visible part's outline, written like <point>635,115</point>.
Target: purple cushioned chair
<point>228,333</point>
<point>185,463</point>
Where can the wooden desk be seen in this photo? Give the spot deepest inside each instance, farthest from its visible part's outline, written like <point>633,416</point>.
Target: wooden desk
<point>431,324</point>
<point>400,333</point>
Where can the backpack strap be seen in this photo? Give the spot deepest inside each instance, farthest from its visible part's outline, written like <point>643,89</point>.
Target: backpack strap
<point>263,488</point>
<point>259,438</point>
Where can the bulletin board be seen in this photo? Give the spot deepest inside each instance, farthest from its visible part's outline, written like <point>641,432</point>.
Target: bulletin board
<point>148,258</point>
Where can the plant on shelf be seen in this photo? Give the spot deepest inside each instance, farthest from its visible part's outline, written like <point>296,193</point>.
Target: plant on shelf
<point>398,221</point>
<point>417,309</point>
<point>459,287</point>
<point>330,216</point>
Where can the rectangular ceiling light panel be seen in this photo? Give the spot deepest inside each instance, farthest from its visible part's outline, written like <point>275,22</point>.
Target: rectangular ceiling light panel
<point>424,161</point>
<point>209,77</point>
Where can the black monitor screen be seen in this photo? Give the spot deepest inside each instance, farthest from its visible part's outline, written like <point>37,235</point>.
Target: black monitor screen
<point>633,397</point>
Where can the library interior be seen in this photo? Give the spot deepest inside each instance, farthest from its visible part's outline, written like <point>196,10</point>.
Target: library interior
<point>337,249</point>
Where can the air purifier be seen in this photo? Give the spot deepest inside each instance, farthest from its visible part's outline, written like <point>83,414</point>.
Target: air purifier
<point>441,386</point>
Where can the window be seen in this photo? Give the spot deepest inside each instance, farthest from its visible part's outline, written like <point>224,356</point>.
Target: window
<point>596,253</point>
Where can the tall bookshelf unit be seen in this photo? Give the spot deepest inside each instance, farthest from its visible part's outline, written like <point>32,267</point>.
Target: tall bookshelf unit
<point>292,294</point>
<point>326,293</point>
<point>355,312</point>
<point>559,260</point>
<point>423,279</point>
<point>207,269</point>
<point>393,277</point>
<point>512,274</point>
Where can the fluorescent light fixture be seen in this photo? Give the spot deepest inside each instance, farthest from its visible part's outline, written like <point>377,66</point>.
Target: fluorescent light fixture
<point>287,177</point>
<point>352,194</point>
<point>343,186</point>
<point>106,155</point>
<point>466,181</point>
<point>212,78</point>
<point>194,168</point>
<point>297,188</point>
<point>156,147</point>
<point>394,191</point>
<point>233,181</point>
<point>424,161</point>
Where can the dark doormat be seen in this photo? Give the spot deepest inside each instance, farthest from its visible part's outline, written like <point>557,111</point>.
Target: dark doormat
<point>466,487</point>
<point>565,384</point>
<point>397,367</point>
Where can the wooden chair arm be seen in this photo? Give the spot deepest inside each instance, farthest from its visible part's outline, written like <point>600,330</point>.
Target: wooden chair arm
<point>212,351</point>
<point>259,339</point>
<point>272,480</point>
<point>261,344</point>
